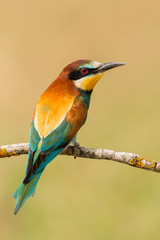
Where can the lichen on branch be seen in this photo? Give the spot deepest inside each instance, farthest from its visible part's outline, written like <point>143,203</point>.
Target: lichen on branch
<point>101,154</point>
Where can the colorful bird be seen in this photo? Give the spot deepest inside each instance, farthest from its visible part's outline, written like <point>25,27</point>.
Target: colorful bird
<point>60,112</point>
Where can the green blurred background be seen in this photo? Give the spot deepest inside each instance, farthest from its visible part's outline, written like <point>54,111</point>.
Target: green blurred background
<point>82,198</point>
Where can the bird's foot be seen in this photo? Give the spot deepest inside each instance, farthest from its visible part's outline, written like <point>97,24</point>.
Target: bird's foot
<point>75,145</point>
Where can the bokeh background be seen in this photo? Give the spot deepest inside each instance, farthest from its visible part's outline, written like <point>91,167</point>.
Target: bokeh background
<point>83,199</point>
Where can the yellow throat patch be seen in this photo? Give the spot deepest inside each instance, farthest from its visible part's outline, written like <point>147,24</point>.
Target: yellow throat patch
<point>89,82</point>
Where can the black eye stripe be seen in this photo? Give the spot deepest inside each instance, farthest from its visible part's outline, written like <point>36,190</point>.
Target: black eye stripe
<point>77,74</point>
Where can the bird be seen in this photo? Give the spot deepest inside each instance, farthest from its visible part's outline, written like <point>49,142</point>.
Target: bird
<point>59,114</point>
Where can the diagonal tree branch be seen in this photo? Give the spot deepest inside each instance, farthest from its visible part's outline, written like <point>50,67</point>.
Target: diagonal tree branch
<point>102,154</point>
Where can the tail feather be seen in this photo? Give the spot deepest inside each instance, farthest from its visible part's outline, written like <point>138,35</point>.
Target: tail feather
<point>25,191</point>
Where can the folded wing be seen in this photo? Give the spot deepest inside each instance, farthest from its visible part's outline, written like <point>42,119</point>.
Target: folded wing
<point>44,149</point>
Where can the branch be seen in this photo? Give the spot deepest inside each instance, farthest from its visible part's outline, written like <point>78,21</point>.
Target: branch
<point>102,154</point>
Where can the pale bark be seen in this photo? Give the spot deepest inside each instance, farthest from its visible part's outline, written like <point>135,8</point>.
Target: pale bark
<point>101,154</point>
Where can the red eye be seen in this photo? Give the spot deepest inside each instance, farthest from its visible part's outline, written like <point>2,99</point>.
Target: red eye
<point>84,70</point>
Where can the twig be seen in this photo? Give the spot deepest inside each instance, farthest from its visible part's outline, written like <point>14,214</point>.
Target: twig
<point>102,154</point>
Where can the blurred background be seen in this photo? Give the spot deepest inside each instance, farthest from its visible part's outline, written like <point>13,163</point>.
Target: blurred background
<point>82,198</point>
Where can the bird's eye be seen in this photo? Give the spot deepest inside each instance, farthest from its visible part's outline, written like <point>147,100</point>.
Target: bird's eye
<point>84,70</point>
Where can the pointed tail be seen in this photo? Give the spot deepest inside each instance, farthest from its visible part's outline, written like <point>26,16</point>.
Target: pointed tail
<point>25,191</point>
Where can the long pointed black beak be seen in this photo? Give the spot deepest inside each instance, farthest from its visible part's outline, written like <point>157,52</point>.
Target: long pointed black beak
<point>106,66</point>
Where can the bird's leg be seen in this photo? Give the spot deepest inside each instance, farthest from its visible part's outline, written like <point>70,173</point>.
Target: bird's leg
<point>74,141</point>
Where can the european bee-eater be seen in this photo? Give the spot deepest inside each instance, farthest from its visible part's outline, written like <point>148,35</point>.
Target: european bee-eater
<point>60,112</point>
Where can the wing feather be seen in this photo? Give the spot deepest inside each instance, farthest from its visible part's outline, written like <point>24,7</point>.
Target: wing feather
<point>43,150</point>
